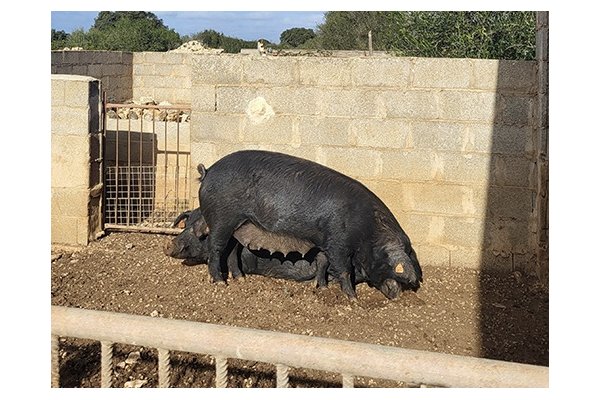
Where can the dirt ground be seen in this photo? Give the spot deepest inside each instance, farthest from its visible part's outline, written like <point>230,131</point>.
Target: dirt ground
<point>498,316</point>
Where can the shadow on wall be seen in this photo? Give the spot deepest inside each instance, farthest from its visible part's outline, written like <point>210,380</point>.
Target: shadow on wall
<point>513,296</point>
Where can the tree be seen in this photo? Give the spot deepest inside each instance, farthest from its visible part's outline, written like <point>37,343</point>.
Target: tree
<point>465,34</point>
<point>216,40</point>
<point>58,39</point>
<point>108,19</point>
<point>139,34</point>
<point>348,30</point>
<point>295,37</point>
<point>123,31</point>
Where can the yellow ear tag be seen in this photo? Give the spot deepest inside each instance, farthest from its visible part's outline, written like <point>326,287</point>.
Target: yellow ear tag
<point>399,269</point>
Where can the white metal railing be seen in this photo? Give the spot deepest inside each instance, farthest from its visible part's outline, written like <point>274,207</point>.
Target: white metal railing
<point>284,350</point>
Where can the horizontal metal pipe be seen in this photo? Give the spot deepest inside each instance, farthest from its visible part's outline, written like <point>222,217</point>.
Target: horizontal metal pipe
<point>146,229</point>
<point>298,351</point>
<point>157,107</point>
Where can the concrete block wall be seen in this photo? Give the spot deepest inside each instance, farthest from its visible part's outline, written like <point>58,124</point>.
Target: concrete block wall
<point>446,143</point>
<point>113,68</point>
<point>75,196</point>
<point>162,76</point>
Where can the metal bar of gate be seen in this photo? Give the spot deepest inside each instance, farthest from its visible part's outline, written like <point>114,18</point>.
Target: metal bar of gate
<point>298,351</point>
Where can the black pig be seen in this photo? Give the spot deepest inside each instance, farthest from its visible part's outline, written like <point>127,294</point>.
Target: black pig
<point>301,199</point>
<point>192,245</point>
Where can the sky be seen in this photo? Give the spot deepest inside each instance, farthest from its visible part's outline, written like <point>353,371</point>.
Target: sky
<point>247,25</point>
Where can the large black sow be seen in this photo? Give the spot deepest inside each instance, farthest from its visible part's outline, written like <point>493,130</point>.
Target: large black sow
<point>296,197</point>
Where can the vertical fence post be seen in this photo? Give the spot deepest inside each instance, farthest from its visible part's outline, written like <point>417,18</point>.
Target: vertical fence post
<point>221,368</point>
<point>283,379</point>
<point>164,368</point>
<point>54,360</point>
<point>347,381</point>
<point>106,364</point>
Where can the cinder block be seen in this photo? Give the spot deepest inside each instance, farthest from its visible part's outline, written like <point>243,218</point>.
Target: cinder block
<point>77,93</point>
<point>269,70</point>
<point>466,257</point>
<point>356,103</point>
<point>469,106</point>
<point>235,99</point>
<point>517,76</point>
<point>70,121</point>
<point>216,70</point>
<point>381,72</point>
<point>203,98</point>
<point>441,73</point>
<point>324,131</point>
<point>392,193</point>
<point>410,165</point>
<point>412,104</point>
<point>174,96</point>
<point>95,70</point>
<point>417,228</point>
<point>462,232</point>
<point>140,70</point>
<point>440,136</point>
<point>80,69</point>
<point>431,256</point>
<point>175,58</point>
<point>70,202</point>
<point>70,161</point>
<point>510,202</point>
<point>57,92</point>
<point>354,162</point>
<point>275,130</point>
<point>517,110</point>
<point>216,128</point>
<point>72,57</point>
<point>464,168</point>
<point>153,57</point>
<point>507,236</point>
<point>513,171</point>
<point>56,57</point>
<point>306,152</point>
<point>127,58</point>
<point>203,152</point>
<point>444,199</point>
<point>293,100</point>
<point>380,133</point>
<point>325,71</point>
<point>69,230</point>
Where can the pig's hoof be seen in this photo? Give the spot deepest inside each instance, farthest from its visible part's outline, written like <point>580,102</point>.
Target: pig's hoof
<point>219,282</point>
<point>239,278</point>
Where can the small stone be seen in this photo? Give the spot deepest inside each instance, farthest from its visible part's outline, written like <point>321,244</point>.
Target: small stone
<point>133,358</point>
<point>55,257</point>
<point>154,314</point>
<point>137,383</point>
<point>129,246</point>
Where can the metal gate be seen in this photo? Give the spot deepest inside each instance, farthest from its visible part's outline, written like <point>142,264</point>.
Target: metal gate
<point>146,164</point>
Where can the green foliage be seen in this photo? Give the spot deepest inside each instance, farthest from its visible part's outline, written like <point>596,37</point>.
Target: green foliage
<point>108,19</point>
<point>216,40</point>
<point>465,34</point>
<point>295,37</point>
<point>123,31</point>
<point>58,39</point>
<point>349,30</point>
<point>127,34</point>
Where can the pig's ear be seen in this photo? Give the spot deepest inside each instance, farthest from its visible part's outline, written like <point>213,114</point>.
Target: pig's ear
<point>181,217</point>
<point>200,228</point>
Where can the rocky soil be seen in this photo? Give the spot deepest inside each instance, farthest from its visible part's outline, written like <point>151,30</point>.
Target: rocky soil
<point>462,312</point>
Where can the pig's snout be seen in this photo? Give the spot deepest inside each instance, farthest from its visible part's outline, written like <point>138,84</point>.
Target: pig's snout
<point>169,248</point>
